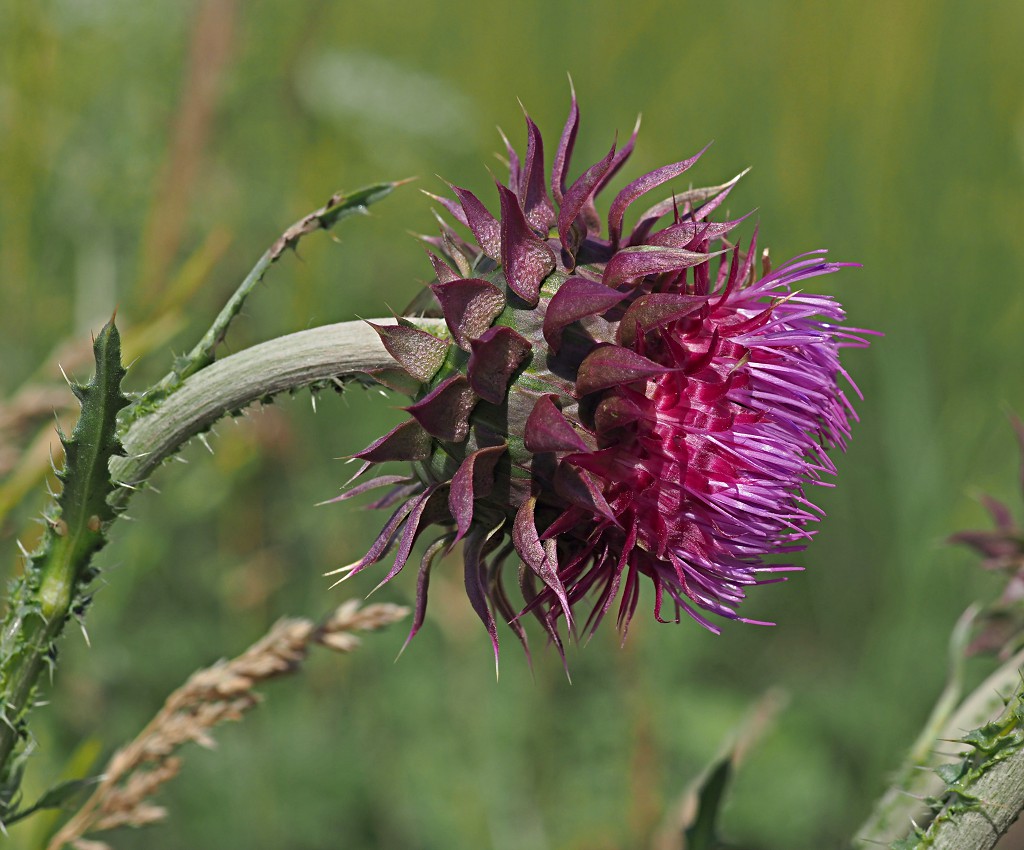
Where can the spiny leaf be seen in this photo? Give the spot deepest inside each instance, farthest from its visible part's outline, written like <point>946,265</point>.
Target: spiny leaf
<point>339,206</point>
<point>51,588</point>
<point>951,773</point>
<point>94,440</point>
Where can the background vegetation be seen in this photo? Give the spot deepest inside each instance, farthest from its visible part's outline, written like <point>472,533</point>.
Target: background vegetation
<point>150,152</point>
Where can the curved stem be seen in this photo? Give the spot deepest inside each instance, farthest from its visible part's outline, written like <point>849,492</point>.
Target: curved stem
<point>228,385</point>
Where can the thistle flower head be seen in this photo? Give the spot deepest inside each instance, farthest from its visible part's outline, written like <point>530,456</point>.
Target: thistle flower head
<point>612,406</point>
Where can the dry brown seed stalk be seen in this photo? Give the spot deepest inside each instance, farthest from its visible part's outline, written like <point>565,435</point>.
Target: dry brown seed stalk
<point>224,691</point>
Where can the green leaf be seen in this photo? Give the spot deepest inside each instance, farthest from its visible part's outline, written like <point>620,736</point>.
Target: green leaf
<point>78,527</point>
<point>94,440</point>
<point>702,802</point>
<point>951,773</point>
<point>909,842</point>
<point>702,834</point>
<point>63,792</point>
<point>56,797</point>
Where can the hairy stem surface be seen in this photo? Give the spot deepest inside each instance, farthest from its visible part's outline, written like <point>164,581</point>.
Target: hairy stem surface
<point>231,384</point>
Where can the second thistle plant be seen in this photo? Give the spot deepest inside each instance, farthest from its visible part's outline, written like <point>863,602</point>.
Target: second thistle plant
<point>612,405</point>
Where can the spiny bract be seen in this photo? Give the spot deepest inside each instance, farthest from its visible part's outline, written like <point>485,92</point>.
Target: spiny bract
<point>611,406</point>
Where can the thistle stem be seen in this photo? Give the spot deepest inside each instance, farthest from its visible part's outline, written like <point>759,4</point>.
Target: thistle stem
<point>231,384</point>
<point>38,634</point>
<point>39,629</point>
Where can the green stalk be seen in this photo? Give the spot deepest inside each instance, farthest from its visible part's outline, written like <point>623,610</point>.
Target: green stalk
<point>338,207</point>
<point>284,364</point>
<point>44,597</point>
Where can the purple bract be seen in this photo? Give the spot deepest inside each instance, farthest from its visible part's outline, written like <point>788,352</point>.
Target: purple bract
<point>645,404</point>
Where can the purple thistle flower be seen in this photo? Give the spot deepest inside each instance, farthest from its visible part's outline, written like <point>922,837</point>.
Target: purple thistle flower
<point>609,408</point>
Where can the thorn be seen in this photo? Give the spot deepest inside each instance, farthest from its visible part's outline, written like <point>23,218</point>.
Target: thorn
<point>205,442</point>
<point>85,633</point>
<point>312,400</point>
<point>65,374</point>
<point>347,568</point>
<point>126,486</point>
<point>23,550</point>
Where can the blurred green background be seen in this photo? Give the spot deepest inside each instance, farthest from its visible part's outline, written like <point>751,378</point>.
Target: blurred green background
<point>149,152</point>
